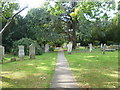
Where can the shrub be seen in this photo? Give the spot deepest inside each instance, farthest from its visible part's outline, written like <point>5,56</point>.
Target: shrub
<point>52,49</point>
<point>26,42</point>
<point>96,43</point>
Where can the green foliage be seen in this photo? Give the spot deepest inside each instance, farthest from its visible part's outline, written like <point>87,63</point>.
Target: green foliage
<point>8,6</point>
<point>96,43</point>
<point>11,33</point>
<point>52,23</point>
<point>39,22</point>
<point>52,49</point>
<point>26,42</point>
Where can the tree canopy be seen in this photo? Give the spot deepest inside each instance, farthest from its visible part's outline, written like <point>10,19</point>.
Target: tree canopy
<point>83,22</point>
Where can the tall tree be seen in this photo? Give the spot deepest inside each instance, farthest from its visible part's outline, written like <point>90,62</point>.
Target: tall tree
<point>39,23</point>
<point>7,8</point>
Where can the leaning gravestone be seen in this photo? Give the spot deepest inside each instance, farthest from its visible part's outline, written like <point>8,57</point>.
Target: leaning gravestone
<point>69,47</point>
<point>90,47</point>
<point>47,48</point>
<point>32,51</point>
<point>21,52</point>
<point>104,47</point>
<point>1,53</point>
<point>13,59</point>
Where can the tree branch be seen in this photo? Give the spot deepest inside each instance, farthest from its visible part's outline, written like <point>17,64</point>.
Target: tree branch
<point>10,19</point>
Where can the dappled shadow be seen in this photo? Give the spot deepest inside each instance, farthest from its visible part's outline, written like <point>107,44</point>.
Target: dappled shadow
<point>30,81</point>
<point>88,77</point>
<point>23,79</point>
<point>94,70</point>
<point>35,73</point>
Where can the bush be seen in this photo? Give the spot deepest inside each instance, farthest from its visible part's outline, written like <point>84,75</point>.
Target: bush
<point>96,43</point>
<point>52,49</point>
<point>26,42</point>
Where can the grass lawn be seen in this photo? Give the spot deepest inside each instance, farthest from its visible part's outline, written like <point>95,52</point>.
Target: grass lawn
<point>28,73</point>
<point>94,70</point>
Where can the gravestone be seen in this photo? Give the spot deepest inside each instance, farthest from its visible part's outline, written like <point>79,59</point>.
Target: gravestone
<point>90,47</point>
<point>78,44</point>
<point>21,52</point>
<point>101,45</point>
<point>69,47</point>
<point>32,51</point>
<point>13,59</point>
<point>1,53</point>
<point>104,47</point>
<point>46,48</point>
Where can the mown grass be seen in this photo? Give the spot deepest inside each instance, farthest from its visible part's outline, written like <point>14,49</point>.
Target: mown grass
<point>94,70</point>
<point>28,73</point>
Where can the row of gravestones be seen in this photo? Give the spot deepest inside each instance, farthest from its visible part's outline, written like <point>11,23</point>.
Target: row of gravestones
<point>21,52</point>
<point>69,46</point>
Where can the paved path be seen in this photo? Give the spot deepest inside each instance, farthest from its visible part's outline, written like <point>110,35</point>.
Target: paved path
<point>63,77</point>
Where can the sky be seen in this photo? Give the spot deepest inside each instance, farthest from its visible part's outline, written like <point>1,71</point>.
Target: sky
<point>33,4</point>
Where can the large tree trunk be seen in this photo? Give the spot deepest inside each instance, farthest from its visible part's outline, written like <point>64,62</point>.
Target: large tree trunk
<point>74,34</point>
<point>74,37</point>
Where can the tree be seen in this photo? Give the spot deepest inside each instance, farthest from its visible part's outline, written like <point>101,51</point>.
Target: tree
<point>39,23</point>
<point>7,8</point>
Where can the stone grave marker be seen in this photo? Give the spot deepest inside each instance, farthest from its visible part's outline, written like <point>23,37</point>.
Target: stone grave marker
<point>104,47</point>
<point>1,53</point>
<point>90,47</point>
<point>46,48</point>
<point>78,44</point>
<point>32,51</point>
<point>13,59</point>
<point>69,47</point>
<point>101,45</point>
<point>21,52</point>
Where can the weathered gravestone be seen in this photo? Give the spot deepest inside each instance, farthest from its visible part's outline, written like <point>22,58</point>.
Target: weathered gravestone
<point>32,51</point>
<point>47,48</point>
<point>1,53</point>
<point>21,52</point>
<point>101,45</point>
<point>69,47</point>
<point>13,59</point>
<point>90,47</point>
<point>78,44</point>
<point>104,47</point>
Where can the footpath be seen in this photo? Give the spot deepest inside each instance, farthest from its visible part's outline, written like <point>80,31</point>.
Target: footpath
<point>63,77</point>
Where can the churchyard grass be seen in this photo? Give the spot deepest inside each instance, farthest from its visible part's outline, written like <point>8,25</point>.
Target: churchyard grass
<point>94,70</point>
<point>28,73</point>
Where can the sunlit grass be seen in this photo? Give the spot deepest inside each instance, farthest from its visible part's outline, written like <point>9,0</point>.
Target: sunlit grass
<point>29,73</point>
<point>94,70</point>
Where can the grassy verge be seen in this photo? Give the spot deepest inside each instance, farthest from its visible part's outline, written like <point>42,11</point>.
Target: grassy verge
<point>28,73</point>
<point>94,70</point>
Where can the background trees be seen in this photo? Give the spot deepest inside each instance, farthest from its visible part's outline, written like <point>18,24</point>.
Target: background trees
<point>83,22</point>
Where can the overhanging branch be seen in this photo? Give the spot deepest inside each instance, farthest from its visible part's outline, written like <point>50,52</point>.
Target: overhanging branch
<point>10,19</point>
